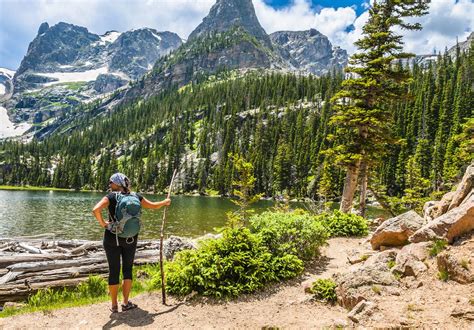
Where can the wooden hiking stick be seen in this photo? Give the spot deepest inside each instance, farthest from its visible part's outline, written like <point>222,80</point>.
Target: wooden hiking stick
<point>163,286</point>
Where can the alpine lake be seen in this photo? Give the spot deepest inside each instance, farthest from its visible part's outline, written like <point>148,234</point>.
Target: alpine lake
<point>68,215</point>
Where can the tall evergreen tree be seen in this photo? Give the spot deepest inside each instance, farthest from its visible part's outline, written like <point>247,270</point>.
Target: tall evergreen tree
<point>362,119</point>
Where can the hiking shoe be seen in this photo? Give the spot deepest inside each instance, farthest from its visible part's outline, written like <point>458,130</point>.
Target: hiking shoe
<point>128,306</point>
<point>114,309</point>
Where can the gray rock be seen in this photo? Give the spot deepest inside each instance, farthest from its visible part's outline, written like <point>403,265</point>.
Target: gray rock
<point>310,51</point>
<point>464,188</point>
<point>442,206</point>
<point>450,225</point>
<point>175,244</point>
<point>396,231</point>
<point>463,312</point>
<point>135,52</point>
<point>457,264</point>
<point>108,82</point>
<point>409,261</point>
<point>357,284</point>
<point>225,14</point>
<point>362,310</point>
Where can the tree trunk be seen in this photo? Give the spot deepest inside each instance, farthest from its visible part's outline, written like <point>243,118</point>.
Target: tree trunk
<point>350,185</point>
<point>382,201</point>
<point>364,170</point>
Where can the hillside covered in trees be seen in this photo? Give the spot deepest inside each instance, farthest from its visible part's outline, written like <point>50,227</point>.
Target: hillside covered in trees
<point>278,122</point>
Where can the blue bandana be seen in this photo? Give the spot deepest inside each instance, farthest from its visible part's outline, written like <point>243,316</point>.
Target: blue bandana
<point>119,179</point>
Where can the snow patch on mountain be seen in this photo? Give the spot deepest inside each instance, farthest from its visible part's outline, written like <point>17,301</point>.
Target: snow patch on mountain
<point>63,77</point>
<point>110,36</point>
<point>9,129</point>
<point>7,72</point>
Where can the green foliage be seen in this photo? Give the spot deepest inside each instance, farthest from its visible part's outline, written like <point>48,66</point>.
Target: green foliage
<point>391,264</point>
<point>325,289</point>
<point>244,260</point>
<point>278,122</point>
<point>243,189</point>
<point>438,246</point>
<point>344,224</point>
<point>94,286</point>
<point>234,264</point>
<point>443,275</point>
<point>290,233</point>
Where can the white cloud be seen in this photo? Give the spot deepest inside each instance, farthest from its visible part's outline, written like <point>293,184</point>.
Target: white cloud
<point>20,19</point>
<point>300,16</point>
<point>446,20</point>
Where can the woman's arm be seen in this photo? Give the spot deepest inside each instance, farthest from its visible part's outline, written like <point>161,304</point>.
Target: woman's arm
<point>155,205</point>
<point>97,211</point>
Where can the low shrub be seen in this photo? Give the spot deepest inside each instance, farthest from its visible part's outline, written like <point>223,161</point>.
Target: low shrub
<point>294,233</point>
<point>344,224</point>
<point>236,263</point>
<point>438,246</point>
<point>325,289</point>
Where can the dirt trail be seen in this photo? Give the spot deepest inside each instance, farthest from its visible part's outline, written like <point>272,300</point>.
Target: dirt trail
<point>284,306</point>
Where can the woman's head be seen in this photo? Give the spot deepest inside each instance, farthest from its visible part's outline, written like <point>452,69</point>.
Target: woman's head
<point>119,182</point>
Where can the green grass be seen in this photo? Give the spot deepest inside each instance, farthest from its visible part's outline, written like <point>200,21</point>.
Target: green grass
<point>443,275</point>
<point>87,293</point>
<point>438,246</point>
<point>32,188</point>
<point>391,264</point>
<point>74,86</point>
<point>59,305</point>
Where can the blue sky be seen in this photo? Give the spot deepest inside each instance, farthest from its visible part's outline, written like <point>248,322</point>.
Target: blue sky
<point>340,20</point>
<point>318,5</point>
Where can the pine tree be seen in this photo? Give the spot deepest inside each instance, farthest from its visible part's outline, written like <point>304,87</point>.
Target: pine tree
<point>361,113</point>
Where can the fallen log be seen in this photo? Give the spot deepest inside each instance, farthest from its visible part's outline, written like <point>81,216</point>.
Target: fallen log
<point>10,276</point>
<point>83,248</point>
<point>55,264</point>
<point>58,274</point>
<point>23,257</point>
<point>30,248</point>
<point>18,292</point>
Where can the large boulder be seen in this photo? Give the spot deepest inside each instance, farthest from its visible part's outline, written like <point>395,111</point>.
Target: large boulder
<point>357,285</point>
<point>450,225</point>
<point>395,231</point>
<point>410,259</point>
<point>442,206</point>
<point>458,263</point>
<point>464,188</point>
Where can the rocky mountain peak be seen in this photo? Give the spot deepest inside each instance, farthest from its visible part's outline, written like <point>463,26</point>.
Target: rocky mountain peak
<point>59,44</point>
<point>309,51</point>
<point>43,27</point>
<point>226,14</point>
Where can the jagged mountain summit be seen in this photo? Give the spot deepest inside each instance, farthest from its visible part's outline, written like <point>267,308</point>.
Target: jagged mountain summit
<point>230,37</point>
<point>310,51</point>
<point>226,14</point>
<point>66,65</point>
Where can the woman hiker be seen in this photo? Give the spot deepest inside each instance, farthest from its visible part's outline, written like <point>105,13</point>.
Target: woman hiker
<point>120,236</point>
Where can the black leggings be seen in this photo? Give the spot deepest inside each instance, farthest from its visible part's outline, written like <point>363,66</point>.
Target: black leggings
<point>113,252</point>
